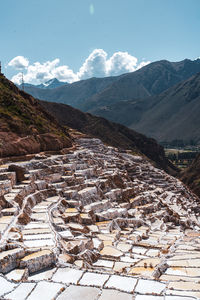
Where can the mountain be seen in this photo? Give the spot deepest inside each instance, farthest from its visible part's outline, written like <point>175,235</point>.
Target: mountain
<point>149,100</point>
<point>191,176</point>
<point>30,126</point>
<point>50,84</point>
<point>25,127</point>
<point>73,94</point>
<point>150,80</point>
<point>96,93</point>
<point>173,114</point>
<point>110,133</point>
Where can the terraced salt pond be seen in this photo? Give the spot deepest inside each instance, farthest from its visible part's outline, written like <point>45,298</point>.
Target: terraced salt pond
<point>97,223</point>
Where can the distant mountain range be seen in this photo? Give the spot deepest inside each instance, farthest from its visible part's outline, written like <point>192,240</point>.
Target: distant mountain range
<point>146,100</point>
<point>72,94</point>
<point>50,84</point>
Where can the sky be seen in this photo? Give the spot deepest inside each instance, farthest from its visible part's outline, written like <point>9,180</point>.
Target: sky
<point>78,39</point>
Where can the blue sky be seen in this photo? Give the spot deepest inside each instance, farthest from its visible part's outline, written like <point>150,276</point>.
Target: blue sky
<point>70,30</point>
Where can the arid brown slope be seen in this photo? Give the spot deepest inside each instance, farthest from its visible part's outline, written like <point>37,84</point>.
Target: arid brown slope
<point>110,133</point>
<point>25,127</point>
<point>191,176</point>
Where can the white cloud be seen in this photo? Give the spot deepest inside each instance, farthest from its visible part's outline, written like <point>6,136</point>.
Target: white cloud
<point>96,65</point>
<point>143,64</point>
<point>63,73</point>
<point>121,62</point>
<point>41,72</point>
<point>17,79</point>
<point>19,63</point>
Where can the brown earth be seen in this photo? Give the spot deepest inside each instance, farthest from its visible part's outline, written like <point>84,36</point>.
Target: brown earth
<point>25,127</point>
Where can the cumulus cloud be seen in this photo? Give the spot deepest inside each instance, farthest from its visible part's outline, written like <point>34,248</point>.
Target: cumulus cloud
<point>97,64</point>
<point>143,64</point>
<point>17,79</point>
<point>19,63</point>
<point>94,65</point>
<point>41,72</point>
<point>64,73</point>
<point>121,62</point>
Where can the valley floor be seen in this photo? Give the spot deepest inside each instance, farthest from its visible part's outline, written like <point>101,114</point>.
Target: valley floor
<point>97,223</point>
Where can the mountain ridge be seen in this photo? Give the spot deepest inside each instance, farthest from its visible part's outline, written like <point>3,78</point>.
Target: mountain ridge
<point>135,99</point>
<point>50,84</point>
<point>150,80</point>
<point>171,115</point>
<point>74,93</point>
<point>91,94</point>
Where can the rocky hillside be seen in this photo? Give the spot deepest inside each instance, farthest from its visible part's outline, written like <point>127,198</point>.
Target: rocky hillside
<point>25,127</point>
<point>110,133</point>
<point>191,176</point>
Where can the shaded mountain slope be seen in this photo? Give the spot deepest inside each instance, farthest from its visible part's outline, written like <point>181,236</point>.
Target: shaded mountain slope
<point>110,133</point>
<point>150,80</point>
<point>25,127</point>
<point>191,176</point>
<point>127,112</point>
<point>73,94</point>
<point>173,114</point>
